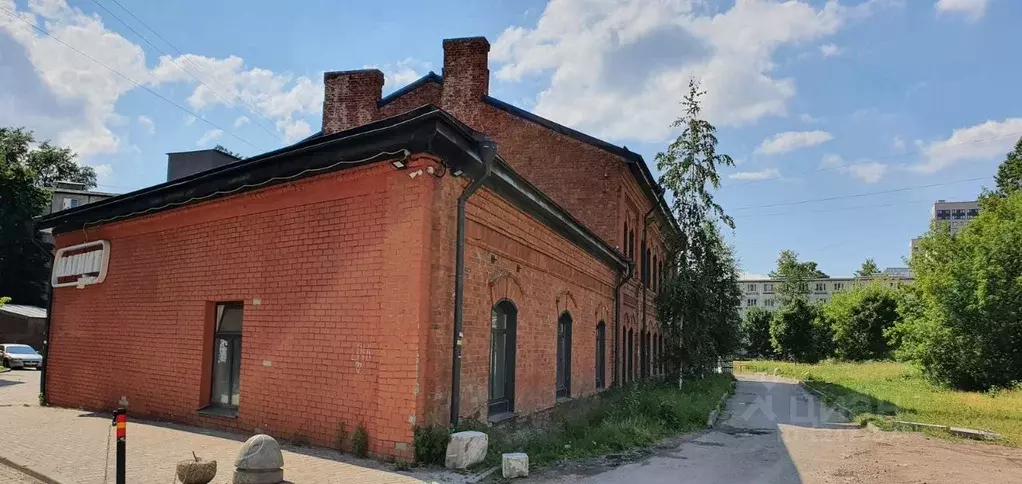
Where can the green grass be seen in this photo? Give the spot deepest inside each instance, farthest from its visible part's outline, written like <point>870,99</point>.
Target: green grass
<point>898,390</point>
<point>615,421</point>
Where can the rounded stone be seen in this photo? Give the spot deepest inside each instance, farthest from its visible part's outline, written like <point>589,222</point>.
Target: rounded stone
<point>196,471</point>
<point>260,453</point>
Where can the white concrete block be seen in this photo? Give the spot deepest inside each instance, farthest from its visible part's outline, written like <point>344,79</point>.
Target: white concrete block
<point>466,449</point>
<point>515,465</point>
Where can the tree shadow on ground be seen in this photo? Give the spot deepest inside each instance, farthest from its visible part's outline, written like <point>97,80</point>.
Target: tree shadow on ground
<point>853,402</point>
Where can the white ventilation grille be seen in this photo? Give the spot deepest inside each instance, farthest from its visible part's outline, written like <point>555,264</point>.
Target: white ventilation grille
<point>81,265</point>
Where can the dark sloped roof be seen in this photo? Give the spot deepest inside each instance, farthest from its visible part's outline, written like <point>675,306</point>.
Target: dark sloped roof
<point>431,77</point>
<point>426,129</point>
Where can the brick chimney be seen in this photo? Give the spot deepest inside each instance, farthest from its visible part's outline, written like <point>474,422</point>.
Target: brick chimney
<point>466,76</point>
<point>350,98</point>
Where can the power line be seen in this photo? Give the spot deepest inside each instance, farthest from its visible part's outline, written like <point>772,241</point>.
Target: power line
<point>842,209</point>
<point>251,107</point>
<point>859,195</point>
<point>869,160</point>
<point>87,56</point>
<point>100,5</point>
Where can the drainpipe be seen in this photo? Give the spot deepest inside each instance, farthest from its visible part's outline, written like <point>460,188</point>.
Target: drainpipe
<point>49,313</point>
<point>487,151</point>
<point>643,370</point>
<point>625,277</point>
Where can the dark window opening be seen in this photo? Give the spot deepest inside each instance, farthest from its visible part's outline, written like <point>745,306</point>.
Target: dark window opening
<point>564,356</point>
<point>625,245</point>
<point>503,332</point>
<point>226,386</point>
<point>630,349</point>
<point>601,356</point>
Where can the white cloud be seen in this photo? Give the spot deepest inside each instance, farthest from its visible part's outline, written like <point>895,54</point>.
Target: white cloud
<point>830,50</point>
<point>765,174</point>
<point>189,120</point>
<point>898,142</point>
<point>973,10</point>
<point>103,172</point>
<point>86,91</point>
<point>808,118</point>
<point>831,161</point>
<point>241,121</point>
<point>294,130</point>
<point>975,143</point>
<point>791,141</point>
<point>618,68</point>
<point>401,73</point>
<point>209,137</point>
<point>71,99</point>
<point>865,170</point>
<point>750,276</point>
<point>147,123</point>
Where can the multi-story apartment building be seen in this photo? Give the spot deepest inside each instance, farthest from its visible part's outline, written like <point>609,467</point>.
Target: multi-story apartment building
<point>955,214</point>
<point>70,195</point>
<point>763,292</point>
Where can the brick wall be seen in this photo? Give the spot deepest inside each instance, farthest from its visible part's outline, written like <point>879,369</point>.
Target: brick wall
<point>334,277</point>
<point>510,255</point>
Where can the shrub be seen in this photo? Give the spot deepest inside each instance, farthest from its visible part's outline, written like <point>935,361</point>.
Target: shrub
<point>756,333</point>
<point>430,444</point>
<point>360,441</point>
<point>859,319</point>
<point>796,333</point>
<point>966,329</point>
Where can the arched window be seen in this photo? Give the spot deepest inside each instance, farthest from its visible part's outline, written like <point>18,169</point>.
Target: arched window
<point>654,266</point>
<point>631,245</point>
<point>601,354</point>
<point>629,356</point>
<point>625,246</point>
<point>653,351</point>
<point>564,355</point>
<point>503,329</point>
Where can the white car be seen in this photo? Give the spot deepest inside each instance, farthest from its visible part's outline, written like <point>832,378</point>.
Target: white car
<point>20,356</point>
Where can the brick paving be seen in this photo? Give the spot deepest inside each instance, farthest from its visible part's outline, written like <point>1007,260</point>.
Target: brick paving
<point>70,447</point>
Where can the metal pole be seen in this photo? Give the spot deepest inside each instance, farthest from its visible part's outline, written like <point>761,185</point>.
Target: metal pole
<point>121,422</point>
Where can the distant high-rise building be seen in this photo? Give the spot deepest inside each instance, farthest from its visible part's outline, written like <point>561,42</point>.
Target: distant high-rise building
<point>955,214</point>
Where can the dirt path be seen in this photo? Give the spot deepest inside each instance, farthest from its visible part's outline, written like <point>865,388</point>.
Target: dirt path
<point>775,432</point>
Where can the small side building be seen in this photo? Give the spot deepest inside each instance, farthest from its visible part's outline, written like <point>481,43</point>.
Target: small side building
<point>20,324</point>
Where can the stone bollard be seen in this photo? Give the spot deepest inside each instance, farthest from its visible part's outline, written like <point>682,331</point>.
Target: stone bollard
<point>514,465</point>
<point>259,462</point>
<point>465,449</point>
<point>196,470</point>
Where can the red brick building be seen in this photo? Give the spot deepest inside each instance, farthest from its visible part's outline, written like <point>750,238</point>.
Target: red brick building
<point>429,255</point>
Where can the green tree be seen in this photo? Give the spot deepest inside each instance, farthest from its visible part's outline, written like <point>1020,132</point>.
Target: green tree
<point>698,307</point>
<point>859,319</point>
<point>966,327</point>
<point>794,276</point>
<point>796,334</point>
<point>756,333</point>
<point>25,171</point>
<point>869,269</point>
<point>1009,174</point>
<point>4,300</point>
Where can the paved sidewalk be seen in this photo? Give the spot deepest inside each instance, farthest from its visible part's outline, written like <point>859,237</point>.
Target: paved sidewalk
<point>70,446</point>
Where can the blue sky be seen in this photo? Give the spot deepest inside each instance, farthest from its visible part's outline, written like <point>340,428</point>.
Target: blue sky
<point>881,106</point>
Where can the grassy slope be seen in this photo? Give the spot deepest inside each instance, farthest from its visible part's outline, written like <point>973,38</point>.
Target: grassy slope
<point>899,389</point>
<point>617,420</point>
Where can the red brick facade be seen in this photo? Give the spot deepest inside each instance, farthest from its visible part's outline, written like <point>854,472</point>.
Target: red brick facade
<point>347,281</point>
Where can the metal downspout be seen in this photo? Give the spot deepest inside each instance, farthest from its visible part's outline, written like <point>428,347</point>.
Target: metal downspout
<point>487,151</point>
